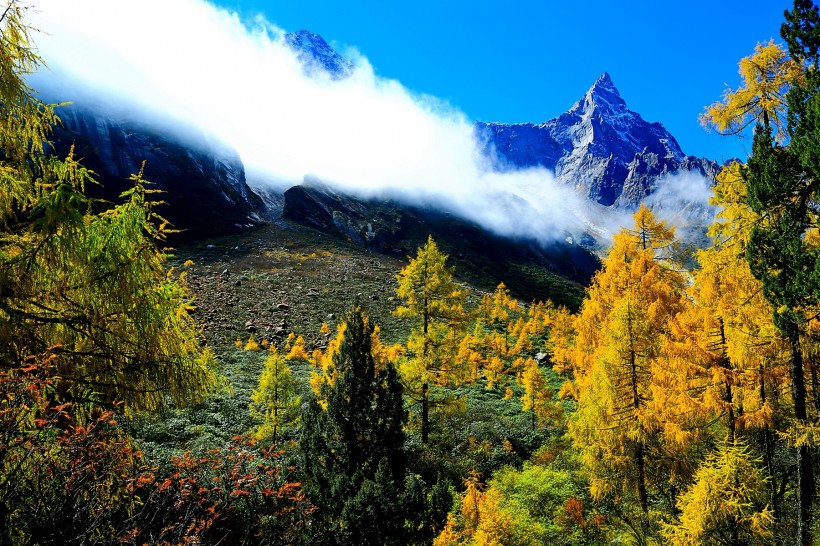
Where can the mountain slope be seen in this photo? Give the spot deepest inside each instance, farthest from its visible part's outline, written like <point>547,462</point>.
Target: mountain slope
<point>600,146</point>
<point>555,271</point>
<point>203,181</point>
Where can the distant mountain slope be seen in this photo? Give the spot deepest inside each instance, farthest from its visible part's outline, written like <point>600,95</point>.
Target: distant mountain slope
<point>610,153</point>
<point>556,271</point>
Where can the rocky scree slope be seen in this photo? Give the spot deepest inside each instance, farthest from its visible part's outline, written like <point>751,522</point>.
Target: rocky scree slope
<point>531,270</point>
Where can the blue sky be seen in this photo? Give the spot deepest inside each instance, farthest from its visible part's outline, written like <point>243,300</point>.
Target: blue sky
<point>528,60</point>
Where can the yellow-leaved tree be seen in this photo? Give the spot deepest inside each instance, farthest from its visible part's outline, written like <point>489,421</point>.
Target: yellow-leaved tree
<point>89,287</point>
<point>90,316</point>
<point>485,519</point>
<point>723,353</point>
<point>617,339</point>
<point>434,303</point>
<point>275,401</point>
<point>537,397</point>
<point>726,504</point>
<point>767,76</point>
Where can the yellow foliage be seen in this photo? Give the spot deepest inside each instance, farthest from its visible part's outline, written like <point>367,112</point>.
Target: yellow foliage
<point>537,397</point>
<point>483,520</point>
<point>92,283</point>
<point>435,304</point>
<point>767,76</point>
<point>382,354</point>
<point>297,350</point>
<point>251,345</point>
<point>274,401</point>
<point>728,498</point>
<point>611,347</point>
<point>322,363</point>
<point>735,219</point>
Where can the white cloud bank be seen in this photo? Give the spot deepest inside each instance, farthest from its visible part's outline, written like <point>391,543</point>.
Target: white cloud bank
<point>189,61</point>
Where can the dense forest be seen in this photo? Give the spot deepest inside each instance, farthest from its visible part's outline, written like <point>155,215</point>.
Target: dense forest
<point>679,405</point>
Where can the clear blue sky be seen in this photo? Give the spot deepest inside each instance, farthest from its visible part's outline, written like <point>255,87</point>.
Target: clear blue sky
<point>530,60</point>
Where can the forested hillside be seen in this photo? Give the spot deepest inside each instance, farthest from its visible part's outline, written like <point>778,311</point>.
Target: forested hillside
<point>285,387</point>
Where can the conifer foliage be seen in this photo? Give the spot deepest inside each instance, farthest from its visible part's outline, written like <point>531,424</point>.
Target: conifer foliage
<point>275,401</point>
<point>89,287</point>
<point>353,449</point>
<point>435,303</point>
<point>618,341</point>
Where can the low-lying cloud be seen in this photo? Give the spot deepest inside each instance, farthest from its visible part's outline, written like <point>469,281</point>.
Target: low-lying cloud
<point>194,63</point>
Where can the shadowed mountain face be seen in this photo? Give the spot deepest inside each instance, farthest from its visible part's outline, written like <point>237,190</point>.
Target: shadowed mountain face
<point>531,270</point>
<point>203,181</point>
<point>608,152</point>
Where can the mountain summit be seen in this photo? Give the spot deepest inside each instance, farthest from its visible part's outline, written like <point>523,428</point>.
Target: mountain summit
<point>600,146</point>
<point>604,96</point>
<point>316,54</point>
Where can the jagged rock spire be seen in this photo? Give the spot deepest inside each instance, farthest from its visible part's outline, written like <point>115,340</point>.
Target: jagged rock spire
<point>599,146</point>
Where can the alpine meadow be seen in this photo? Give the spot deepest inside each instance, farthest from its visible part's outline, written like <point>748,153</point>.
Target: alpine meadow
<point>255,291</point>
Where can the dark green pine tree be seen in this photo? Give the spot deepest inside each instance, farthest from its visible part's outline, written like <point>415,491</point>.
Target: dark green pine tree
<point>784,187</point>
<point>788,271</point>
<point>353,451</point>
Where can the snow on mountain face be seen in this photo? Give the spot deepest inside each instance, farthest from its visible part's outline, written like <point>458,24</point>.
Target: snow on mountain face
<point>601,147</point>
<point>316,54</point>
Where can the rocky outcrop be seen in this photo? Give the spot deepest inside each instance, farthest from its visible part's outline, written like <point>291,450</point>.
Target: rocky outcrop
<point>203,181</point>
<point>610,153</point>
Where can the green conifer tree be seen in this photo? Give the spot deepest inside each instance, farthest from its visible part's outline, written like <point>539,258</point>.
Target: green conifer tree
<point>783,183</point>
<point>353,451</point>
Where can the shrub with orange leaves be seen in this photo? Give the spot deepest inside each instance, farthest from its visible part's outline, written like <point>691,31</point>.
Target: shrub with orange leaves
<point>240,494</point>
<point>63,468</point>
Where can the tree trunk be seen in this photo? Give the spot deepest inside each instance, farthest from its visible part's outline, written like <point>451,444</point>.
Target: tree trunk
<point>642,495</point>
<point>726,364</point>
<point>805,470</point>
<point>425,413</point>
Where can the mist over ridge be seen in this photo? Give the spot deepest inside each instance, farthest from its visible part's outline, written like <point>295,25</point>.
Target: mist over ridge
<point>242,83</point>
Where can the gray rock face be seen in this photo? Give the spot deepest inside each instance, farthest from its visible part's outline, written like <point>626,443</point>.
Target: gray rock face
<point>203,180</point>
<point>599,146</point>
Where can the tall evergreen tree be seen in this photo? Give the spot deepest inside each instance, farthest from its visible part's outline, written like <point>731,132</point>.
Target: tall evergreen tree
<point>783,187</point>
<point>353,450</point>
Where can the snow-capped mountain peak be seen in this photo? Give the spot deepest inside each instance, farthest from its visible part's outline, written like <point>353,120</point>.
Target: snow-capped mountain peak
<point>316,54</point>
<point>602,97</point>
<point>600,146</point>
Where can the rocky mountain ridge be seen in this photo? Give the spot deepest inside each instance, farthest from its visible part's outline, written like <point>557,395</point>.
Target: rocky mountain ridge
<point>600,147</point>
<point>315,54</point>
<point>531,270</point>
